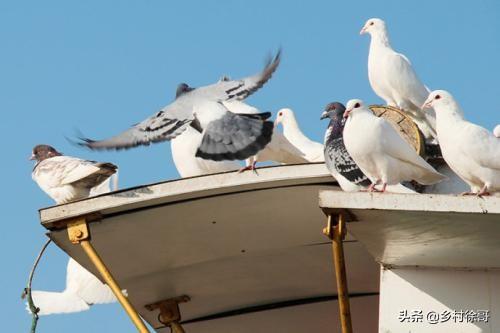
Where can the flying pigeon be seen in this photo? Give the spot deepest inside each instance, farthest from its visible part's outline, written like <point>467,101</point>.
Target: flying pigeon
<point>226,136</point>
<point>380,152</point>
<point>496,131</point>
<point>393,79</point>
<point>66,178</point>
<point>313,151</point>
<point>82,290</point>
<point>471,151</point>
<point>337,159</point>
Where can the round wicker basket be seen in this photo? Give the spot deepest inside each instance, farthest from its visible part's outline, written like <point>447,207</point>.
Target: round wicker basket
<point>403,124</point>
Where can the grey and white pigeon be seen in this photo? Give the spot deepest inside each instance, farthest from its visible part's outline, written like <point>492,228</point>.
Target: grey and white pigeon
<point>471,151</point>
<point>338,160</point>
<point>393,78</point>
<point>312,151</point>
<point>226,136</point>
<point>66,178</point>
<point>380,152</point>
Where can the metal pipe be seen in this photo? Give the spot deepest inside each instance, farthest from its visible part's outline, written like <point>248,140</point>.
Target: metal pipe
<point>111,282</point>
<point>337,235</point>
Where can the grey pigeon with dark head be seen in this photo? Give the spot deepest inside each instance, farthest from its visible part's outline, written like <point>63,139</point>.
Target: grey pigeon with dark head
<point>66,178</point>
<point>226,136</point>
<point>337,159</point>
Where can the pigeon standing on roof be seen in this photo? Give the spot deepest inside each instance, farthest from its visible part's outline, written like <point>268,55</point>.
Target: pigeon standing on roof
<point>393,79</point>
<point>380,152</point>
<point>313,151</point>
<point>66,178</point>
<point>226,136</point>
<point>338,161</point>
<point>470,150</point>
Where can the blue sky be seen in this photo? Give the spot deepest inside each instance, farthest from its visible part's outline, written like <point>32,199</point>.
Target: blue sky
<point>101,66</point>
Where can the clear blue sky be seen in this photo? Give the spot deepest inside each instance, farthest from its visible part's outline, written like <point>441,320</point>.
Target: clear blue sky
<point>104,65</point>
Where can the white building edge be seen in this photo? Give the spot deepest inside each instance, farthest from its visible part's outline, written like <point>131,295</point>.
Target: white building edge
<point>249,252</point>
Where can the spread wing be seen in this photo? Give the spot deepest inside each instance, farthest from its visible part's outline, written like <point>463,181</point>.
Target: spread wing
<point>225,90</point>
<point>166,124</point>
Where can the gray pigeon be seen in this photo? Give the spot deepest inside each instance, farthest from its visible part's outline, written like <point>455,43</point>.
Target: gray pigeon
<point>66,178</point>
<point>226,136</point>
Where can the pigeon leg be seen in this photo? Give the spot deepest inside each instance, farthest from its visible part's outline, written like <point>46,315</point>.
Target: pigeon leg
<point>372,187</point>
<point>483,192</point>
<point>467,193</point>
<point>250,166</point>
<point>384,187</point>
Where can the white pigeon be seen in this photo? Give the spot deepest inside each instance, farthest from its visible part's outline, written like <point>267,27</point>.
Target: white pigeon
<point>393,79</point>
<point>184,149</point>
<point>279,150</point>
<point>66,178</point>
<point>471,151</point>
<point>380,152</point>
<point>313,151</point>
<point>496,131</point>
<point>82,290</point>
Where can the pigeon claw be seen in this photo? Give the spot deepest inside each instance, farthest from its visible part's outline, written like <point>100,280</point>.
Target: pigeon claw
<point>251,167</point>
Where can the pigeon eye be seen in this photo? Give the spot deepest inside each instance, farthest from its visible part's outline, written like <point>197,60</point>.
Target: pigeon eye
<point>437,97</point>
<point>280,114</point>
<point>372,23</point>
<point>357,105</point>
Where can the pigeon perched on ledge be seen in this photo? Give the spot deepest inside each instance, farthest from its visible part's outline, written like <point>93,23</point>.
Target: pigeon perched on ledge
<point>226,136</point>
<point>311,151</point>
<point>338,161</point>
<point>471,151</point>
<point>380,152</point>
<point>393,78</point>
<point>66,178</point>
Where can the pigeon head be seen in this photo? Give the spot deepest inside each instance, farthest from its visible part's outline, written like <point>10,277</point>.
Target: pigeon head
<point>374,26</point>
<point>354,106</point>
<point>42,152</point>
<point>334,111</point>
<point>442,102</point>
<point>182,89</point>
<point>284,116</point>
<point>437,98</point>
<point>225,78</point>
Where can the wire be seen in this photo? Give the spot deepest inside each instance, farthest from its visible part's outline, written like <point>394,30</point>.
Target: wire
<point>27,291</point>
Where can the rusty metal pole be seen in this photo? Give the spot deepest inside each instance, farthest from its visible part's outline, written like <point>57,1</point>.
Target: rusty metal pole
<point>337,234</point>
<point>78,233</point>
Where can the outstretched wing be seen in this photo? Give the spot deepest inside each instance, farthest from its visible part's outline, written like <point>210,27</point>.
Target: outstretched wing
<point>225,90</point>
<point>166,124</point>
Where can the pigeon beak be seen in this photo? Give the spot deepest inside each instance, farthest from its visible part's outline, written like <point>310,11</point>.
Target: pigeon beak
<point>427,105</point>
<point>363,31</point>
<point>32,157</point>
<point>347,113</point>
<point>324,115</point>
<point>276,122</point>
